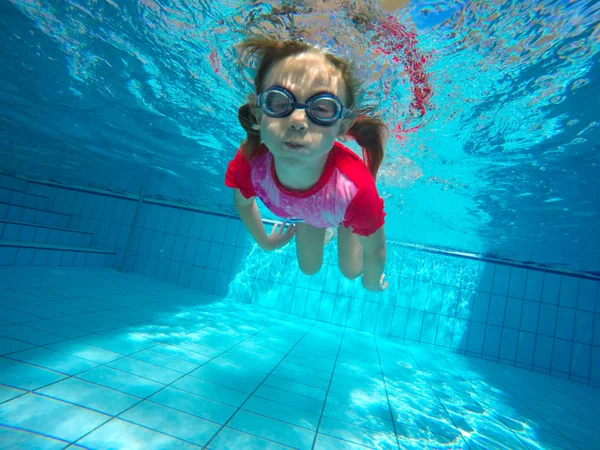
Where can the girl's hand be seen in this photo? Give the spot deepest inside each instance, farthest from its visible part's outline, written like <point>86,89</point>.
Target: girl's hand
<point>277,238</point>
<point>379,287</point>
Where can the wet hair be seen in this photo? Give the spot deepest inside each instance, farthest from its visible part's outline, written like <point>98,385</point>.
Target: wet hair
<point>369,132</point>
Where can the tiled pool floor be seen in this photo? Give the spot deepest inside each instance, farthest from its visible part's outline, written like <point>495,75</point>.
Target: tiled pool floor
<point>94,358</point>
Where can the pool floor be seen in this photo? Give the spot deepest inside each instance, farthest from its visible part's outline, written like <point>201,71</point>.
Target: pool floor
<point>95,358</point>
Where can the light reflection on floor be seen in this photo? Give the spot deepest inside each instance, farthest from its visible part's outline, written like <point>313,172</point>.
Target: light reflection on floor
<point>100,359</point>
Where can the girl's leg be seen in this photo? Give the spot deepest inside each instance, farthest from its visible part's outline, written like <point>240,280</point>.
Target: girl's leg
<point>309,247</point>
<point>350,253</point>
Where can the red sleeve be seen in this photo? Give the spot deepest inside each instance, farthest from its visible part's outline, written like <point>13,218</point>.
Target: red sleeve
<point>238,175</point>
<point>365,212</point>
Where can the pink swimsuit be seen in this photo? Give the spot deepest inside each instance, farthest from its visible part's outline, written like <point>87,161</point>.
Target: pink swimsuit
<point>345,194</point>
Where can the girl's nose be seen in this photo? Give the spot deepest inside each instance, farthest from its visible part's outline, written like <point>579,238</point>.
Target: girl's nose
<point>298,120</point>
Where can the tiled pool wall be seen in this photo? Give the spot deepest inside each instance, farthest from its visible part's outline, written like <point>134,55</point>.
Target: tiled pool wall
<point>540,320</point>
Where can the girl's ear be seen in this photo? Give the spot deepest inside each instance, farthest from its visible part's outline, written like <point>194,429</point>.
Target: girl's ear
<point>345,125</point>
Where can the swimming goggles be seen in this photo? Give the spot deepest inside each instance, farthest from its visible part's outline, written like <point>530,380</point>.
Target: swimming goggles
<point>323,109</point>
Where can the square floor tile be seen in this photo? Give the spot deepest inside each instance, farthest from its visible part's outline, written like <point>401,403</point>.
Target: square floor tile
<point>193,404</point>
<point>211,391</point>
<point>121,381</point>
<point>118,434</point>
<point>8,393</point>
<point>145,370</point>
<point>8,345</point>
<point>50,417</point>
<point>229,439</point>
<point>89,395</point>
<point>172,422</point>
<point>84,350</point>
<point>164,360</point>
<point>290,399</point>
<point>282,412</point>
<point>273,430</point>
<point>12,438</point>
<point>25,376</point>
<point>181,353</point>
<point>53,360</point>
<point>357,435</point>
<point>325,442</point>
<point>225,378</point>
<point>30,335</point>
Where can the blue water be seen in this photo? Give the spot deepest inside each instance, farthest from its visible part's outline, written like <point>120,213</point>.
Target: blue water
<point>134,96</point>
<point>141,97</point>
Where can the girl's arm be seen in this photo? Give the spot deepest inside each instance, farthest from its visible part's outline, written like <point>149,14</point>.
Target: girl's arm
<point>248,211</point>
<point>374,260</point>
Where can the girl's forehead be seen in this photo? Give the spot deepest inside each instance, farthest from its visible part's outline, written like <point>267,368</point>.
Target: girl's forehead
<point>305,74</point>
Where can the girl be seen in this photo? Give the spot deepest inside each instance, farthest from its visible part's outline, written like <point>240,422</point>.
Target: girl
<point>304,100</point>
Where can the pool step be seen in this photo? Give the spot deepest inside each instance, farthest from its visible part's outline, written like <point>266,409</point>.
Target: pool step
<point>31,215</point>
<point>19,253</point>
<point>44,234</point>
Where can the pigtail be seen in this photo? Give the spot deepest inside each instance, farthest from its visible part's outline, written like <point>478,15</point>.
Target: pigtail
<point>252,141</point>
<point>371,134</point>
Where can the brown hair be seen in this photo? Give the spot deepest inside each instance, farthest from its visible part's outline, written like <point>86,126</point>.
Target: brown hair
<point>369,132</point>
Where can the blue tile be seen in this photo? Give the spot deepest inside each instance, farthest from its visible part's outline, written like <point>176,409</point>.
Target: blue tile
<point>227,379</point>
<point>30,335</point>
<point>53,360</point>
<point>178,248</point>
<point>226,258</point>
<point>290,399</point>
<point>325,442</point>
<point>588,295</point>
<point>551,288</point>
<point>12,438</point>
<point>185,223</point>
<point>211,391</point>
<point>533,287</point>
<point>121,381</point>
<point>24,257</point>
<point>174,423</point>
<point>156,243</point>
<point>120,434</point>
<point>356,434</point>
<point>547,320</point>
<point>167,246</point>
<point>162,269</point>
<point>326,307</point>
<point>384,320</point>
<point>25,376</point>
<point>369,317</point>
<point>208,227</point>
<point>296,387</point>
<point>399,321</point>
<point>430,328</point>
<point>7,393</point>
<point>512,316</point>
<point>220,230</point>
<point>480,306</point>
<point>162,216</point>
<point>530,315</point>
<point>202,254</point>
<point>196,225</point>
<point>313,301</point>
<point>68,422</point>
<point>584,327</point>
<point>89,395</point>
<point>355,313</point>
<point>233,229</point>
<point>229,439</point>
<point>83,350</point>
<point>486,277</point>
<point>561,355</point>
<point>193,404</point>
<point>496,311</point>
<point>508,345</point>
<point>502,277</point>
<point>413,325</point>
<point>174,217</point>
<point>543,351</point>
<point>526,348</point>
<point>265,428</point>
<point>284,413</point>
<point>145,370</point>
<point>580,360</point>
<point>298,301</point>
<point>491,345</point>
<point>189,254</point>
<point>476,337</point>
<point>569,287</point>
<point>565,323</point>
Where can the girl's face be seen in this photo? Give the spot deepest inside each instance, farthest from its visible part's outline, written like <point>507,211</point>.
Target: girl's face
<point>303,75</point>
